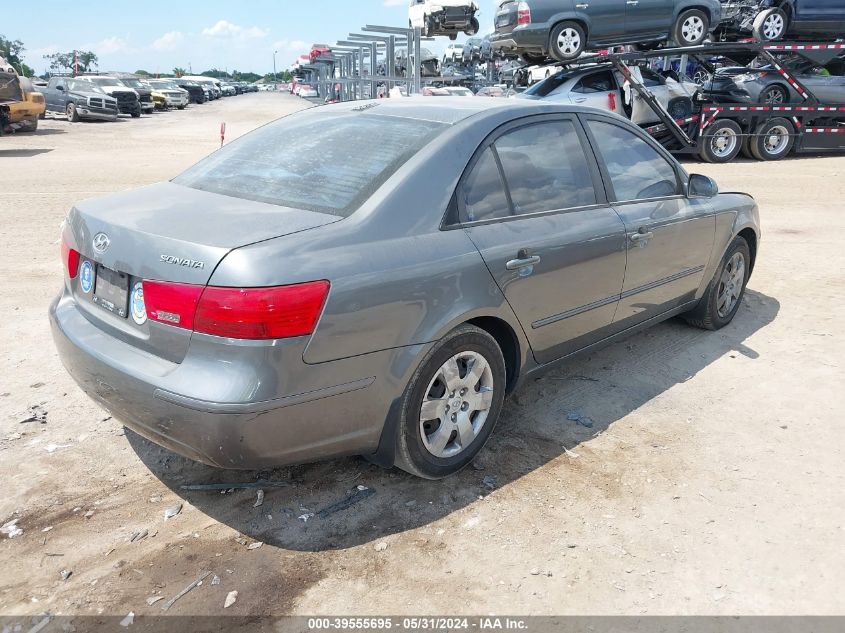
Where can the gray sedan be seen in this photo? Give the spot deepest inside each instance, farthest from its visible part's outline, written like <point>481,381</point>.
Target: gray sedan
<point>378,286</point>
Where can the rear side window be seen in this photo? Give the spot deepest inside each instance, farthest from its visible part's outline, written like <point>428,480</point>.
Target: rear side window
<point>483,192</point>
<point>637,171</point>
<point>327,164</point>
<point>597,82</point>
<point>545,168</point>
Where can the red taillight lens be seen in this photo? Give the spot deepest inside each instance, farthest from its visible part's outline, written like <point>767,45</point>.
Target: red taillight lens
<point>261,313</point>
<point>244,313</point>
<point>70,257</point>
<point>174,304</point>
<point>523,15</point>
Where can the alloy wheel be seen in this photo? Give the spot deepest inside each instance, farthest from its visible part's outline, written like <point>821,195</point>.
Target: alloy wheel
<point>456,404</point>
<point>693,28</point>
<point>730,285</point>
<point>774,96</point>
<point>773,26</point>
<point>569,41</point>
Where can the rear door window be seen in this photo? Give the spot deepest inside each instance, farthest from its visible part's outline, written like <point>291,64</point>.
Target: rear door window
<point>545,168</point>
<point>596,82</point>
<point>483,192</point>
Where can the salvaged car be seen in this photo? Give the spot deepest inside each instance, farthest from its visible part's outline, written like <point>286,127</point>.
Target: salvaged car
<point>562,29</point>
<point>128,101</point>
<point>444,17</point>
<point>740,84</point>
<point>601,86</point>
<point>79,100</point>
<point>282,302</point>
<point>771,20</point>
<point>196,93</point>
<point>175,96</point>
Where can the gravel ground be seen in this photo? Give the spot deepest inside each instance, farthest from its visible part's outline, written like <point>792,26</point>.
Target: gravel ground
<point>711,481</point>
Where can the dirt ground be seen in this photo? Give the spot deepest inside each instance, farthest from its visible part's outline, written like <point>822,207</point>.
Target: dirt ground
<point>711,481</point>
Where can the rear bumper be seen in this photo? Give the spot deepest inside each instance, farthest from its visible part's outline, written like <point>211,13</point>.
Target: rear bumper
<point>341,413</point>
<point>527,38</point>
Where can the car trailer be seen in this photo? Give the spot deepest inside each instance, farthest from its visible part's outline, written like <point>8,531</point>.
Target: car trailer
<point>719,132</point>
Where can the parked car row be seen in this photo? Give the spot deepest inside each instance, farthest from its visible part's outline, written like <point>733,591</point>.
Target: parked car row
<point>90,97</point>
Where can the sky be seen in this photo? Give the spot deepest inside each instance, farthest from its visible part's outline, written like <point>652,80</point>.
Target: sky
<point>159,35</point>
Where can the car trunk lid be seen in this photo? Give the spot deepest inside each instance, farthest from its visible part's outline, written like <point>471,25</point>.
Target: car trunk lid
<point>165,232</point>
<point>507,16</point>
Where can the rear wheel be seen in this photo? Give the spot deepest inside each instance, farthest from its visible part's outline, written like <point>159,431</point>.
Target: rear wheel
<point>773,140</point>
<point>567,41</point>
<point>770,25</point>
<point>691,28</point>
<point>774,95</point>
<point>721,142</point>
<point>473,27</point>
<point>724,293</point>
<point>451,404</point>
<point>533,59</point>
<point>72,114</point>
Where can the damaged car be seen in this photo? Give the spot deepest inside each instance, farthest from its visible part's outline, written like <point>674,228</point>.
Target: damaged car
<point>443,17</point>
<point>771,20</point>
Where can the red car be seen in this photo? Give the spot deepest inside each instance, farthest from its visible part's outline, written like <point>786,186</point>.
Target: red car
<point>319,50</point>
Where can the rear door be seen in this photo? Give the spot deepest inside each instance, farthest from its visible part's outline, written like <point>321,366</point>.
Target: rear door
<point>669,236</point>
<point>52,95</point>
<point>533,204</point>
<point>598,90</point>
<point>606,18</point>
<point>648,17</point>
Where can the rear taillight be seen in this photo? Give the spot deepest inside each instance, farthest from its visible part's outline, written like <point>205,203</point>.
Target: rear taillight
<point>174,304</point>
<point>261,313</point>
<point>70,257</point>
<point>523,13</point>
<point>243,313</point>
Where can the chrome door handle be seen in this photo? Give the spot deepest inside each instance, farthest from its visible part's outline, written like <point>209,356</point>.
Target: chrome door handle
<point>516,264</point>
<point>641,237</point>
<point>633,3</point>
<point>581,6</point>
<point>580,100</point>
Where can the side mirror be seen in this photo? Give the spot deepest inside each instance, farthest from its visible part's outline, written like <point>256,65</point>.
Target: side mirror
<point>60,88</point>
<point>702,187</point>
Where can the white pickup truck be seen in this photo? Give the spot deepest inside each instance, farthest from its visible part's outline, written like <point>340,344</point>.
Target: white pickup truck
<point>443,17</point>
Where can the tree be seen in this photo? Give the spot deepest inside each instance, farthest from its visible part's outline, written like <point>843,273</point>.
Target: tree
<point>143,73</point>
<point>84,61</point>
<point>179,72</point>
<point>12,51</point>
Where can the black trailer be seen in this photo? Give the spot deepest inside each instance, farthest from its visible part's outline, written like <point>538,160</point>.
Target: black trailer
<point>718,132</point>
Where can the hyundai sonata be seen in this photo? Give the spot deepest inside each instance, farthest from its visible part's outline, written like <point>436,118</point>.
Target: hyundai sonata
<point>379,286</point>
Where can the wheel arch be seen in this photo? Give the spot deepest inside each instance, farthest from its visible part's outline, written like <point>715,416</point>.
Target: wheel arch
<point>509,343</point>
<point>694,4</point>
<point>751,238</point>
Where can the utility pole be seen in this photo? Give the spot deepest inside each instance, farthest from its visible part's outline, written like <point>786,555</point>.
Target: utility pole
<point>275,79</point>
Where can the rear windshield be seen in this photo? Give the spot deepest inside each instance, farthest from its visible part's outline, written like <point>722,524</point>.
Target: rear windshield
<point>313,162</point>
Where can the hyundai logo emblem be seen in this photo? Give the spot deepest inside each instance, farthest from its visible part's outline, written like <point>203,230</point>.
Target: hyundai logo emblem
<point>101,242</point>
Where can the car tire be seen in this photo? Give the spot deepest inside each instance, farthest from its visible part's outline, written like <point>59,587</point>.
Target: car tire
<point>181,107</point>
<point>770,25</point>
<point>473,28</point>
<point>429,448</point>
<point>645,47</point>
<point>746,147</point>
<point>567,41</point>
<point>72,114</point>
<point>774,94</point>
<point>33,123</point>
<point>772,140</point>
<point>721,142</point>
<point>679,107</point>
<point>724,293</point>
<point>136,114</point>
<point>691,28</point>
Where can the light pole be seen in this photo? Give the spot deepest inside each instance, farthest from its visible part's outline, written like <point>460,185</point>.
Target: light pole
<point>275,79</point>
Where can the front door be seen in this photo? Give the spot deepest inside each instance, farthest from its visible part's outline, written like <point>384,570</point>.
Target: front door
<point>648,17</point>
<point>669,236</point>
<point>534,207</point>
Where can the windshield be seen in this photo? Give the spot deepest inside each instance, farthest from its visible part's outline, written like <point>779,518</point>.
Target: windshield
<point>548,85</point>
<point>132,82</point>
<point>157,83</point>
<point>107,81</point>
<point>308,161</point>
<point>82,86</point>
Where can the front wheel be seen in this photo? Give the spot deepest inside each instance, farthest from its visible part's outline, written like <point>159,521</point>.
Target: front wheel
<point>774,95</point>
<point>451,404</point>
<point>72,114</point>
<point>770,25</point>
<point>567,41</point>
<point>473,27</point>
<point>691,28</point>
<point>724,293</point>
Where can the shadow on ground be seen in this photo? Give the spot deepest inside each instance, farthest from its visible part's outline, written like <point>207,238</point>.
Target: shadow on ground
<point>535,428</point>
<point>22,153</point>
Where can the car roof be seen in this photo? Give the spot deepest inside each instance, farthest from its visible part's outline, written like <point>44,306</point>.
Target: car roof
<point>449,110</point>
